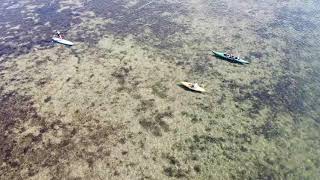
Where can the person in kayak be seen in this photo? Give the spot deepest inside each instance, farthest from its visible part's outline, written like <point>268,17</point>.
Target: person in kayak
<point>59,35</point>
<point>194,85</point>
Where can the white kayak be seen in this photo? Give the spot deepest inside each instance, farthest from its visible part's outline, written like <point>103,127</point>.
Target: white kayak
<point>193,86</point>
<point>62,41</point>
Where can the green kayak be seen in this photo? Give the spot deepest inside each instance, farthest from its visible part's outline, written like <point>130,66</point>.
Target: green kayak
<point>230,57</point>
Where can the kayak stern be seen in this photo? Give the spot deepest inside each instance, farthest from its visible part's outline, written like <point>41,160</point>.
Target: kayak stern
<point>220,54</point>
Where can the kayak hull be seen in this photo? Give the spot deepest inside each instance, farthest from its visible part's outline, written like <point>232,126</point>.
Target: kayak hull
<point>189,86</point>
<point>62,41</point>
<point>222,55</point>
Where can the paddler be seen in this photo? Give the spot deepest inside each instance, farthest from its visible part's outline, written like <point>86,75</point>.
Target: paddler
<point>59,35</point>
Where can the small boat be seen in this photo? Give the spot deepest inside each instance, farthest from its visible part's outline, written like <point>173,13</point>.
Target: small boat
<point>230,57</point>
<point>193,86</point>
<point>62,41</point>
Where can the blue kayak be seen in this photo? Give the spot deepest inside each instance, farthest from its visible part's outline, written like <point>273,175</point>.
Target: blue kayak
<point>230,57</point>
